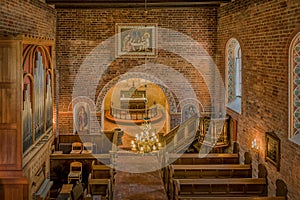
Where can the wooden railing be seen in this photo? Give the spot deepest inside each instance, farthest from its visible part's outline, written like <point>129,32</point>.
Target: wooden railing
<point>210,133</point>
<point>179,138</point>
<point>133,114</point>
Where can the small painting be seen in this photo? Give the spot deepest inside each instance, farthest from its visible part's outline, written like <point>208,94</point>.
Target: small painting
<point>136,39</point>
<point>273,149</point>
<point>82,118</point>
<point>189,111</point>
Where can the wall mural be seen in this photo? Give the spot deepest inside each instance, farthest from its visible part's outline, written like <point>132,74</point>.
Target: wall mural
<point>136,39</point>
<point>37,93</point>
<point>81,118</point>
<point>189,111</point>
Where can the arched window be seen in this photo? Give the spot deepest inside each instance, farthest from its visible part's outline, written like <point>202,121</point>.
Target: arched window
<point>294,83</point>
<point>233,75</point>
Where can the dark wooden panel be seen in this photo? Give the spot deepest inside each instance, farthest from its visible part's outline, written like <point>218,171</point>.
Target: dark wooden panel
<point>221,187</point>
<point>8,61</point>
<point>8,149</point>
<point>232,198</point>
<point>13,188</point>
<point>200,159</point>
<point>8,105</point>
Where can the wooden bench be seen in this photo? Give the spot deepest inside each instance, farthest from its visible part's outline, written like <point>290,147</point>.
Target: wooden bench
<point>207,171</point>
<point>101,172</point>
<point>100,187</point>
<point>203,159</point>
<point>210,171</point>
<point>219,187</point>
<point>197,159</point>
<point>232,198</point>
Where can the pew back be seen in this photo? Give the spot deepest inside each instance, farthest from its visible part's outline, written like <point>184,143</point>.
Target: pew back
<point>232,198</point>
<point>101,172</point>
<point>220,187</point>
<point>203,159</point>
<point>210,171</point>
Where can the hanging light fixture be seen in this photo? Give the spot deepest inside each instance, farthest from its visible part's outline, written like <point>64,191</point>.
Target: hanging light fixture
<point>147,141</point>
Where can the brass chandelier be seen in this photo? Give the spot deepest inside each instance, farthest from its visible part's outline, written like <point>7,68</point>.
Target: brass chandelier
<point>146,141</point>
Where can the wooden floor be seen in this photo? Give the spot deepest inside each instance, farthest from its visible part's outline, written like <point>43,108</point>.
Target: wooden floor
<point>131,185</point>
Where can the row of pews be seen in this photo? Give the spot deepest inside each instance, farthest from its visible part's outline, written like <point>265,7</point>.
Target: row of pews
<point>100,180</point>
<point>214,176</point>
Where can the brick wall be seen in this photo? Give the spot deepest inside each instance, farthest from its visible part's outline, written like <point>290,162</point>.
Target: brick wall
<point>80,31</point>
<point>33,18</point>
<point>264,30</point>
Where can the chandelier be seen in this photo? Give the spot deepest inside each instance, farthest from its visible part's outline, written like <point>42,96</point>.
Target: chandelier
<point>146,141</point>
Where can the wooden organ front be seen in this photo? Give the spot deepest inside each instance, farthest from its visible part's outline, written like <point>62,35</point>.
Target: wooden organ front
<point>26,136</point>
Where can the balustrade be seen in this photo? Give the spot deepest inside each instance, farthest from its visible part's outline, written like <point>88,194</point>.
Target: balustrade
<point>133,114</point>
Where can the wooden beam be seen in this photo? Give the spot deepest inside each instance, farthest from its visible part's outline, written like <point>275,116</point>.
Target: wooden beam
<point>134,3</point>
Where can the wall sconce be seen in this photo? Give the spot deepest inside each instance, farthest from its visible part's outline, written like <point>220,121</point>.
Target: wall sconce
<point>255,145</point>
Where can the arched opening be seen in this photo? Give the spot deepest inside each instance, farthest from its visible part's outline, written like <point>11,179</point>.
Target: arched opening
<point>129,102</point>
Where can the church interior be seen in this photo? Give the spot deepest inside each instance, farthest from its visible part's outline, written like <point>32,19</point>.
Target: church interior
<point>150,99</point>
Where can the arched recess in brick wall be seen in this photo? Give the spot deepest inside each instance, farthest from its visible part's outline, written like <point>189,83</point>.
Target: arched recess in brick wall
<point>186,106</point>
<point>172,105</point>
<point>88,107</point>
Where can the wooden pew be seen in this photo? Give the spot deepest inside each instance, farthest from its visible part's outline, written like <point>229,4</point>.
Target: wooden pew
<point>197,159</point>
<point>210,171</point>
<point>203,159</point>
<point>101,172</point>
<point>206,171</point>
<point>220,187</point>
<point>232,198</point>
<point>100,187</point>
<point>281,194</point>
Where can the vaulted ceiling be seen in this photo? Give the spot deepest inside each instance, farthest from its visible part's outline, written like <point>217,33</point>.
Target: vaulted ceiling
<point>134,3</point>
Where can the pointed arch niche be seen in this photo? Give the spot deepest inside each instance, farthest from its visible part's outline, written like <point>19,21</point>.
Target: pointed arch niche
<point>233,76</point>
<point>294,92</point>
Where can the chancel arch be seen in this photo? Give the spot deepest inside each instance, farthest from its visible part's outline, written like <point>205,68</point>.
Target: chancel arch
<point>156,94</point>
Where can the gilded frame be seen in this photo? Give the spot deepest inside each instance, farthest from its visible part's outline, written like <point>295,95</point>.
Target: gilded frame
<point>273,149</point>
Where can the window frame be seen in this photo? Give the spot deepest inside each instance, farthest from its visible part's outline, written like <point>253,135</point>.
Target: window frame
<point>235,103</point>
<point>292,133</point>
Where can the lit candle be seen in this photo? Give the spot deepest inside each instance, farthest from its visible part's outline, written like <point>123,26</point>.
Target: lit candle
<point>133,147</point>
<point>154,147</point>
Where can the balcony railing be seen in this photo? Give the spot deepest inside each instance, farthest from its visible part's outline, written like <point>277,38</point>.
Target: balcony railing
<point>133,114</point>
